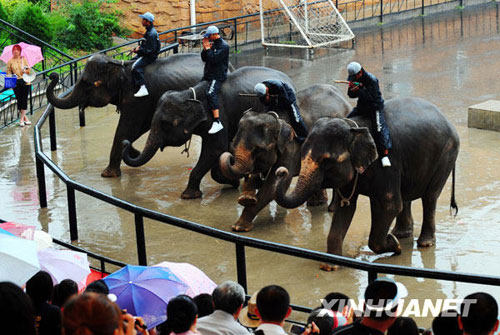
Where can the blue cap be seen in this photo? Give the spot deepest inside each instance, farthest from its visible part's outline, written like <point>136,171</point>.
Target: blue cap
<point>148,16</point>
<point>211,30</point>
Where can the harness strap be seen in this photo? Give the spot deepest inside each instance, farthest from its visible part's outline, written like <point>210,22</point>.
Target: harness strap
<point>187,145</point>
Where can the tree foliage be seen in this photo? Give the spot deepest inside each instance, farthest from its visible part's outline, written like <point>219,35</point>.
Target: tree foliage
<point>34,21</point>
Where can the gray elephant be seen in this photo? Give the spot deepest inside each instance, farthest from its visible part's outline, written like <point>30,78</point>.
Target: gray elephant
<point>341,154</point>
<point>266,141</point>
<point>107,81</point>
<point>181,114</point>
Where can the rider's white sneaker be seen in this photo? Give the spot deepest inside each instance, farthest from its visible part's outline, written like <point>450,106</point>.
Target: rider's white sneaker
<point>386,162</point>
<point>216,127</point>
<point>143,91</point>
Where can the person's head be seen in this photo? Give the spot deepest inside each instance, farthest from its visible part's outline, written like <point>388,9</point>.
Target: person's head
<point>92,313</point>
<point>403,326</point>
<point>262,91</point>
<point>273,304</point>
<point>326,320</point>
<point>212,33</point>
<point>147,19</point>
<point>16,311</point>
<point>478,314</point>
<point>446,323</point>
<point>39,288</point>
<point>355,71</point>
<point>381,301</point>
<point>339,302</point>
<point>182,314</point>
<point>98,286</point>
<point>16,50</point>
<point>63,291</point>
<point>229,297</point>
<point>204,303</point>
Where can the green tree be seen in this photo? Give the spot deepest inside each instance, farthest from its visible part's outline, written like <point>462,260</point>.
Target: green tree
<point>33,20</point>
<point>3,13</point>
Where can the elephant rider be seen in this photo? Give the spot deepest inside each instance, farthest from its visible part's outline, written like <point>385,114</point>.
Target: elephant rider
<point>147,52</point>
<point>277,95</point>
<point>364,86</point>
<point>215,54</point>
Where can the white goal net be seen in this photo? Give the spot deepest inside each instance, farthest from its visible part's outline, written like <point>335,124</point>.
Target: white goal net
<point>303,24</point>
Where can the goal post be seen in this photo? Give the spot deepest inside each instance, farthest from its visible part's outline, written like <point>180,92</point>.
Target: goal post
<point>303,24</point>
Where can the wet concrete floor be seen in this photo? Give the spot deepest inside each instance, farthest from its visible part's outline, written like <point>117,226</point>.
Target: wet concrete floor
<point>451,60</point>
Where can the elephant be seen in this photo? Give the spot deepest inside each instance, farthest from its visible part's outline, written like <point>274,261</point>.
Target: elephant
<point>107,81</point>
<point>265,141</point>
<point>341,154</point>
<point>181,114</point>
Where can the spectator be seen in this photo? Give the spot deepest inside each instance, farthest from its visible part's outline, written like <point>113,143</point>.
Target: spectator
<point>204,303</point>
<point>16,311</point>
<point>326,320</point>
<point>64,291</point>
<point>248,317</point>
<point>93,313</point>
<point>478,314</point>
<point>47,317</point>
<point>18,65</point>
<point>228,300</point>
<point>339,302</point>
<point>98,286</point>
<point>446,323</point>
<point>273,307</point>
<point>182,315</point>
<point>380,308</point>
<point>403,326</point>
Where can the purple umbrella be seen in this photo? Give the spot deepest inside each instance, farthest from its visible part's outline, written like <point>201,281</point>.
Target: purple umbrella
<point>145,291</point>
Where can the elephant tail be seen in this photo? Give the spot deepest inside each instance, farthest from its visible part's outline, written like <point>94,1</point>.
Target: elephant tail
<point>453,203</point>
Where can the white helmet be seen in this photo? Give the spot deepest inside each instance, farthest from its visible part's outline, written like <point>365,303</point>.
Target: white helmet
<point>260,89</point>
<point>353,68</point>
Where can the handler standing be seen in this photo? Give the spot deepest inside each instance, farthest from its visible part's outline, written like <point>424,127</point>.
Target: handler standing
<point>215,54</point>
<point>364,86</point>
<point>147,53</point>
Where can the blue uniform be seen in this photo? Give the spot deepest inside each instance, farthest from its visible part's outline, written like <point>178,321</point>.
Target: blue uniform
<point>215,72</point>
<point>147,54</point>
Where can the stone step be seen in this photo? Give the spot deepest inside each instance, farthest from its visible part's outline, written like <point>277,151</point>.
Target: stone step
<point>485,115</point>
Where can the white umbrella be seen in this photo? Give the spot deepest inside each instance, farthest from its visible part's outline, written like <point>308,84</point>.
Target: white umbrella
<point>43,240</point>
<point>18,259</point>
<point>64,264</point>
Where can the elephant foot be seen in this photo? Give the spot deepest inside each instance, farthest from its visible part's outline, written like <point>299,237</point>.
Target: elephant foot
<point>242,227</point>
<point>426,241</point>
<point>318,199</point>
<point>111,172</point>
<point>329,267</point>
<point>247,198</point>
<point>393,244</point>
<point>191,194</point>
<point>402,233</point>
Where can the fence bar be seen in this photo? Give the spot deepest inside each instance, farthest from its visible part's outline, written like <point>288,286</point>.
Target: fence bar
<point>52,129</point>
<point>73,226</point>
<point>42,189</point>
<point>241,265</point>
<point>141,240</point>
<point>372,276</point>
<point>382,11</point>
<point>235,36</point>
<point>81,116</point>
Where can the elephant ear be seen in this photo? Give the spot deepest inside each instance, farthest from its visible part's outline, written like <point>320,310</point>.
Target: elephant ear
<point>115,76</point>
<point>285,136</point>
<point>362,149</point>
<point>196,114</point>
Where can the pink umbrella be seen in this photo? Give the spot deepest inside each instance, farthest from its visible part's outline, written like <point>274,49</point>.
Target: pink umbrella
<point>64,264</point>
<point>19,229</point>
<point>196,280</point>
<point>32,53</point>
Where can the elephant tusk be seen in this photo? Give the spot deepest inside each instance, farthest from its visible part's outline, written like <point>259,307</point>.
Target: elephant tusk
<point>97,83</point>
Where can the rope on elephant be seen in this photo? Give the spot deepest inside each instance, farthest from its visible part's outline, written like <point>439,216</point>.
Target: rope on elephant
<point>187,145</point>
<point>347,201</point>
<point>347,119</point>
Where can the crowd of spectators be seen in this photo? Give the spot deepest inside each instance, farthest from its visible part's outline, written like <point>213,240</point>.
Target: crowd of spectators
<point>54,310</point>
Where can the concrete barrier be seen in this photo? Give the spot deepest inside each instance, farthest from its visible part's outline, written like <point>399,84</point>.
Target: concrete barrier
<point>485,115</point>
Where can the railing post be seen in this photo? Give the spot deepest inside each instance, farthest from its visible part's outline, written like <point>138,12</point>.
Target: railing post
<point>382,11</point>
<point>235,36</point>
<point>73,226</point>
<point>423,6</point>
<point>31,99</point>
<point>81,116</point>
<point>71,74</point>
<point>42,189</point>
<point>241,265</point>
<point>372,276</point>
<point>43,63</point>
<point>140,239</point>
<point>52,129</point>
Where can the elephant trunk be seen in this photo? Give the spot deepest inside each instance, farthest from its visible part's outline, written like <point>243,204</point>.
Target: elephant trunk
<point>68,102</point>
<point>309,181</point>
<point>237,166</point>
<point>144,157</point>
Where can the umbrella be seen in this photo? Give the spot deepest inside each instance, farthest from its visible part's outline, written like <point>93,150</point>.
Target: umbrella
<point>18,259</point>
<point>145,291</point>
<point>198,282</point>
<point>19,229</point>
<point>64,264</point>
<point>5,232</point>
<point>43,240</point>
<point>32,53</point>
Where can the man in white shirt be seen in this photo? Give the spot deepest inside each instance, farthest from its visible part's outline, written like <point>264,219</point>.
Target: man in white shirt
<point>273,307</point>
<point>228,300</point>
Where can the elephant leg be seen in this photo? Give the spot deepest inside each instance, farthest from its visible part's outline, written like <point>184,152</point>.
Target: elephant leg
<point>384,209</point>
<point>427,236</point>
<point>331,206</point>
<point>341,220</point>
<point>404,222</point>
<point>219,177</point>
<point>248,196</point>
<point>318,198</point>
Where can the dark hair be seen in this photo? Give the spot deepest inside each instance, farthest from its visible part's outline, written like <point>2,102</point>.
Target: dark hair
<point>324,322</point>
<point>340,301</point>
<point>403,326</point>
<point>63,291</point>
<point>16,311</point>
<point>446,323</point>
<point>98,286</point>
<point>228,297</point>
<point>204,304</point>
<point>379,293</point>
<point>39,288</point>
<point>273,302</point>
<point>181,314</point>
<point>18,47</point>
<point>91,314</point>
<point>479,317</point>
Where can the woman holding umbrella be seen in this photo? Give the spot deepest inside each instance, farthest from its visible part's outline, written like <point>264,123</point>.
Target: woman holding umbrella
<point>19,65</point>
